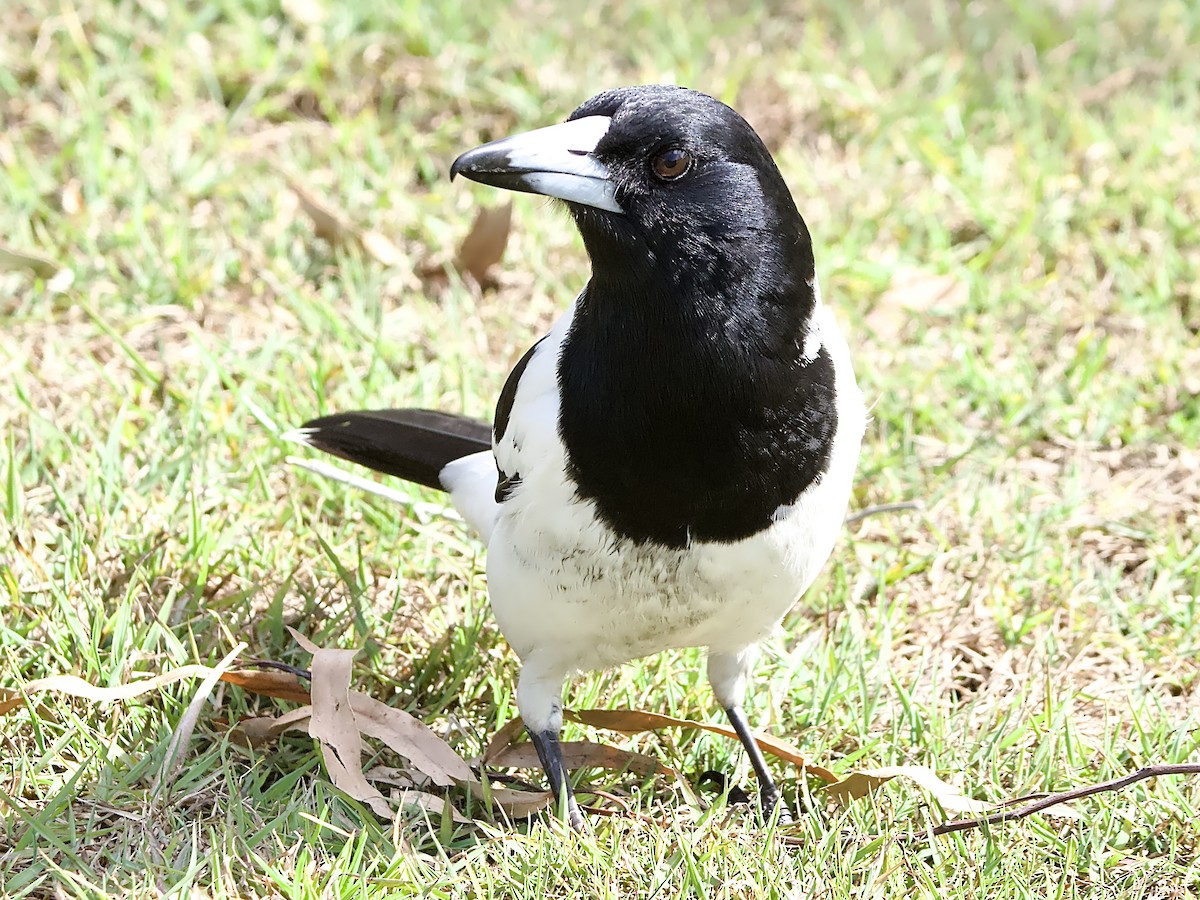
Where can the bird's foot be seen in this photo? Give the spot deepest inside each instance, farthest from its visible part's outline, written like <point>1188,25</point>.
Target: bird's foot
<point>576,818</point>
<point>770,801</point>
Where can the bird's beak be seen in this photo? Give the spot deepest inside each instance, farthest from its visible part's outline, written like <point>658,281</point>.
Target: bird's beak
<point>554,161</point>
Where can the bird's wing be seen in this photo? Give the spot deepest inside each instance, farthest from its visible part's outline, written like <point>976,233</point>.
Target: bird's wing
<point>525,437</point>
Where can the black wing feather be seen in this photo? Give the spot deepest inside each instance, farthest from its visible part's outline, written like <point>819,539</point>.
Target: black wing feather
<point>413,444</point>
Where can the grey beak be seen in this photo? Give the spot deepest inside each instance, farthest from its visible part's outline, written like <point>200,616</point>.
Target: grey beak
<point>554,161</point>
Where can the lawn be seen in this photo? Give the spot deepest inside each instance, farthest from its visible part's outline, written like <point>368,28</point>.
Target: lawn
<point>1004,198</point>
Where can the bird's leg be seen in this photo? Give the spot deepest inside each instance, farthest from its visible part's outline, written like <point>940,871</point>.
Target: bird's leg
<point>728,673</point>
<point>539,698</point>
<point>550,753</point>
<point>768,793</point>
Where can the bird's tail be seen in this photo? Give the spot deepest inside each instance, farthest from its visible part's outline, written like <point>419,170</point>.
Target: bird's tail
<point>413,444</point>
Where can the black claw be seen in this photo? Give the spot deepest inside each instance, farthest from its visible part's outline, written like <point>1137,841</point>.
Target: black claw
<point>768,794</point>
<point>771,800</point>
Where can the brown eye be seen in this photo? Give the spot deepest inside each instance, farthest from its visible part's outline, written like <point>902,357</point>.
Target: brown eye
<point>672,164</point>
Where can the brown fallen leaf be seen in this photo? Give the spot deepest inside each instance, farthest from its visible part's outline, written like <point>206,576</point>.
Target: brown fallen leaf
<point>517,804</point>
<point>268,683</point>
<point>582,755</point>
<point>333,225</point>
<point>14,260</point>
<point>382,250</point>
<point>411,738</point>
<point>484,244</point>
<point>506,735</point>
<point>329,222</point>
<point>915,290</point>
<point>861,782</point>
<point>401,778</point>
<point>352,711</point>
<point>333,726</point>
<point>305,13</point>
<point>258,730</point>
<point>632,721</point>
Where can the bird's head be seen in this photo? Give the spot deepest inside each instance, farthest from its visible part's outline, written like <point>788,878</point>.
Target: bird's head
<point>663,183</point>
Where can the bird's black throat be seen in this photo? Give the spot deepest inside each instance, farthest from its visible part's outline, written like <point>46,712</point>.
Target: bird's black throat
<point>688,409</point>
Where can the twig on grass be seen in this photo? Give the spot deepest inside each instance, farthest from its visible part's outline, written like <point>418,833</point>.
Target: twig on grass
<point>903,506</point>
<point>281,667</point>
<point>1049,800</point>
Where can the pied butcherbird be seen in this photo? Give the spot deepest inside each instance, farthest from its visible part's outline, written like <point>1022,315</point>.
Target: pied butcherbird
<point>670,465</point>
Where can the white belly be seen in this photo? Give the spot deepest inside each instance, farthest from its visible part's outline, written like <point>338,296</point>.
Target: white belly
<point>596,606</point>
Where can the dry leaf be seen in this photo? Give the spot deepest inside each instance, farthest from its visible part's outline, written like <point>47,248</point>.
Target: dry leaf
<point>381,249</point>
<point>334,226</point>
<point>861,782</point>
<point>411,738</point>
<point>182,735</point>
<point>501,739</point>
<point>918,291</point>
<point>518,804</point>
<point>77,687</point>
<point>333,726</point>
<point>256,731</point>
<point>305,644</point>
<point>268,683</point>
<point>13,260</point>
<point>632,721</point>
<point>401,778</point>
<point>582,755</point>
<point>330,223</point>
<point>306,13</point>
<point>484,244</point>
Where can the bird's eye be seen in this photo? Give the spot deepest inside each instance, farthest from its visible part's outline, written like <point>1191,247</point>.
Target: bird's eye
<point>672,164</point>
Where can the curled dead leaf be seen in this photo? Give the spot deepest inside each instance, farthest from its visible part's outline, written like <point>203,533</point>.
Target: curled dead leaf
<point>411,738</point>
<point>259,730</point>
<point>861,782</point>
<point>505,735</point>
<point>333,225</point>
<point>382,250</point>
<point>517,804</point>
<point>632,721</point>
<point>281,685</point>
<point>306,13</point>
<point>583,755</point>
<point>73,686</point>
<point>70,200</point>
<point>329,222</point>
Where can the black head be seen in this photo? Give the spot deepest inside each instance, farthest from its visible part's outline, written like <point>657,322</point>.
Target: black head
<point>692,177</point>
<point>666,170</point>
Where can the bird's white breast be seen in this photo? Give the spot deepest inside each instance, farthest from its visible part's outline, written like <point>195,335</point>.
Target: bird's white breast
<point>562,583</point>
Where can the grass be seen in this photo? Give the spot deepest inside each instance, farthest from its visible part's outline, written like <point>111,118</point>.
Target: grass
<point>1034,627</point>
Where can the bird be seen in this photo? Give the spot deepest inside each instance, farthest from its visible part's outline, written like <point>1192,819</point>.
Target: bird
<point>670,464</point>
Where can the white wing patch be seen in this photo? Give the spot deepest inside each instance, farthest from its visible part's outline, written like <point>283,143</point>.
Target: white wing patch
<point>530,442</point>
